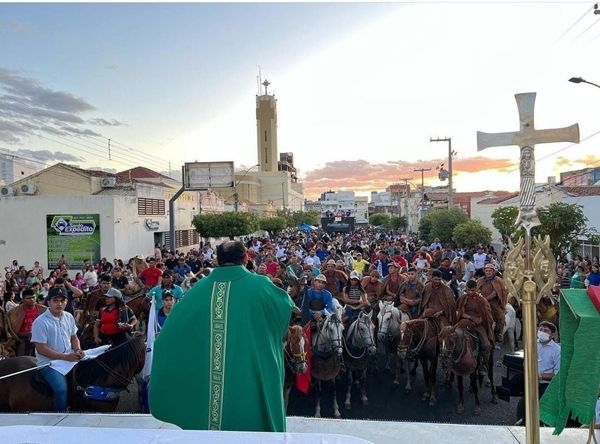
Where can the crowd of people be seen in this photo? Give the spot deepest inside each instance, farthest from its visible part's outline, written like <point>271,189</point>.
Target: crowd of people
<point>456,286</point>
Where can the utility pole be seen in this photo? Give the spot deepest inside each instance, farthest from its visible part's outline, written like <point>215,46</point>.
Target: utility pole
<point>422,171</point>
<point>407,191</point>
<point>109,150</point>
<point>450,154</point>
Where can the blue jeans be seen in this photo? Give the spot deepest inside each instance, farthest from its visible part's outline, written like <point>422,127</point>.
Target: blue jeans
<point>58,382</point>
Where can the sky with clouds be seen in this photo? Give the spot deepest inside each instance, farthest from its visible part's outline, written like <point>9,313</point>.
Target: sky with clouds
<point>361,87</point>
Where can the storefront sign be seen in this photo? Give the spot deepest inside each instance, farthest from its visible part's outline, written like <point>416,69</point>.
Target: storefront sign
<point>76,236</point>
<point>152,224</point>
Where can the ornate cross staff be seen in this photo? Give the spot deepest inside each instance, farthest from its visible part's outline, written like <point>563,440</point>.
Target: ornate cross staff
<point>526,138</point>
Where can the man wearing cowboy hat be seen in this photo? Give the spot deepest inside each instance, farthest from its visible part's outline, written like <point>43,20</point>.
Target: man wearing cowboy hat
<point>317,301</point>
<point>336,279</point>
<point>494,291</point>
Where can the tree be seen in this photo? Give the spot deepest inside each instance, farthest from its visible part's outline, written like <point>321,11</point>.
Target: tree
<point>273,224</point>
<point>425,228</point>
<point>564,223</point>
<point>504,219</point>
<point>398,223</point>
<point>443,222</point>
<point>470,233</point>
<point>229,224</point>
<point>296,218</point>
<point>380,219</point>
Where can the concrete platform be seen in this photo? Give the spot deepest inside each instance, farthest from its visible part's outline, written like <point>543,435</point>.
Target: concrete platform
<point>378,432</point>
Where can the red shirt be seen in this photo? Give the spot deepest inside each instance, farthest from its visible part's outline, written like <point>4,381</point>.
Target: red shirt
<point>272,268</point>
<point>108,321</point>
<point>401,261</point>
<point>30,315</point>
<point>150,276</point>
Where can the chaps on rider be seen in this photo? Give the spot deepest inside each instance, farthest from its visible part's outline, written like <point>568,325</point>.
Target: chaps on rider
<point>410,293</point>
<point>438,301</point>
<point>474,314</point>
<point>493,290</point>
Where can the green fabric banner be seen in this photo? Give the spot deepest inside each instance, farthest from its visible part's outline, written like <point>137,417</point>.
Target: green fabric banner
<point>574,390</point>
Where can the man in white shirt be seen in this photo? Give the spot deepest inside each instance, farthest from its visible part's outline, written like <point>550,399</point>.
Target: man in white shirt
<point>312,259</point>
<point>479,259</point>
<point>548,354</point>
<point>469,268</point>
<point>54,335</point>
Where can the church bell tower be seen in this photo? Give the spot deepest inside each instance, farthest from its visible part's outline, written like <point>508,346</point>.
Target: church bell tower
<point>266,129</point>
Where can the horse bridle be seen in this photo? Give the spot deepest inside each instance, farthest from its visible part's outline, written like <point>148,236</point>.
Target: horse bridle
<point>337,342</point>
<point>415,351</point>
<point>462,352</point>
<point>294,360</point>
<point>356,328</point>
<point>107,369</point>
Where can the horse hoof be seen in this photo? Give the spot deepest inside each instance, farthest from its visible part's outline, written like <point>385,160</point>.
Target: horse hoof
<point>477,411</point>
<point>494,400</point>
<point>432,402</point>
<point>395,384</point>
<point>460,409</point>
<point>365,402</point>
<point>425,397</point>
<point>337,415</point>
<point>407,390</point>
<point>317,415</point>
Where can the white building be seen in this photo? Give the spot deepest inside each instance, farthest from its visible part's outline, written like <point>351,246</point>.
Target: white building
<point>343,203</point>
<point>13,168</point>
<point>125,215</point>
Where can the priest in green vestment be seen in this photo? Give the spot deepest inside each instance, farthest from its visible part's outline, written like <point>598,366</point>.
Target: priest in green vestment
<point>218,361</point>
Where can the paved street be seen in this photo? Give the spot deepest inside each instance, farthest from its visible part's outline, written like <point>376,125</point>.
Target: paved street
<point>388,404</point>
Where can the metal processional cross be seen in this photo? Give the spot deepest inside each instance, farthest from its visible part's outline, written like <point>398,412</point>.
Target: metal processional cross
<point>526,138</point>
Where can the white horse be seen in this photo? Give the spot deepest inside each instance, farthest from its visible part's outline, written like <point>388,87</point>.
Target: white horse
<point>359,346</point>
<point>389,320</point>
<point>348,260</point>
<point>512,330</point>
<point>327,356</point>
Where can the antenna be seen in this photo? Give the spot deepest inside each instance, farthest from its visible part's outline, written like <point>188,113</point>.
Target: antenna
<point>259,80</point>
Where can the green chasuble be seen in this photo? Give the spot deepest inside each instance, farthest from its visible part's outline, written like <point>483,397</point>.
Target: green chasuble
<point>574,390</point>
<point>218,360</point>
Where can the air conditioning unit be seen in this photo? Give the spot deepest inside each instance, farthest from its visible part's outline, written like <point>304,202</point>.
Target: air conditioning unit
<point>7,191</point>
<point>28,189</point>
<point>108,182</point>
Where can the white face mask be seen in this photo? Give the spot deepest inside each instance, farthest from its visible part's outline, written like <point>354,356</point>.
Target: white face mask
<point>543,336</point>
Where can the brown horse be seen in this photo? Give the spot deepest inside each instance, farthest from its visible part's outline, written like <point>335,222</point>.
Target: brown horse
<point>7,341</point>
<point>459,353</point>
<point>115,369</point>
<point>419,339</point>
<point>294,344</point>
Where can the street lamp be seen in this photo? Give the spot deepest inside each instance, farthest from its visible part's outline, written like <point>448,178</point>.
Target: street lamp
<point>236,197</point>
<point>580,80</point>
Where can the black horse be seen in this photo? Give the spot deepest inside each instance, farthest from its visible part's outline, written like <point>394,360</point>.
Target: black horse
<point>93,385</point>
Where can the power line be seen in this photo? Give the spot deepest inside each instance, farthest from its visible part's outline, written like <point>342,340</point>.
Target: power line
<point>573,25</point>
<point>587,29</point>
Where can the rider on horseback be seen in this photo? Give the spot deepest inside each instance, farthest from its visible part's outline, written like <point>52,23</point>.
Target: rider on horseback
<point>355,298</point>
<point>409,295</point>
<point>475,315</point>
<point>438,301</point>
<point>317,302</point>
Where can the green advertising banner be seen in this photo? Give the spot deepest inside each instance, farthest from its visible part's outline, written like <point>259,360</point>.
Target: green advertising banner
<point>77,236</point>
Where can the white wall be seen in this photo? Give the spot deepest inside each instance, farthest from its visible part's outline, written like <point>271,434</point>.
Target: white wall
<point>123,233</point>
<point>591,209</point>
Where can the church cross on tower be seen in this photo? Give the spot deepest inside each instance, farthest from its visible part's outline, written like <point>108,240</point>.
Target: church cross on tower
<point>266,85</point>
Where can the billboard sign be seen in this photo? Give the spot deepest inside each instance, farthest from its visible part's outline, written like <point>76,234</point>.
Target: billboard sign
<point>205,175</point>
<point>337,224</point>
<point>76,236</point>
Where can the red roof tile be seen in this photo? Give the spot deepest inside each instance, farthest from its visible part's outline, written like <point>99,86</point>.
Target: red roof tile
<point>582,191</point>
<point>140,173</point>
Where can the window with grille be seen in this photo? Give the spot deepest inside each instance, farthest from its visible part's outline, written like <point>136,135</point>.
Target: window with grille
<point>183,238</point>
<point>151,207</point>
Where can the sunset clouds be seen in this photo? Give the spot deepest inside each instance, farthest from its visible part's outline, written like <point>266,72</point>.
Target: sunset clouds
<point>363,176</point>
